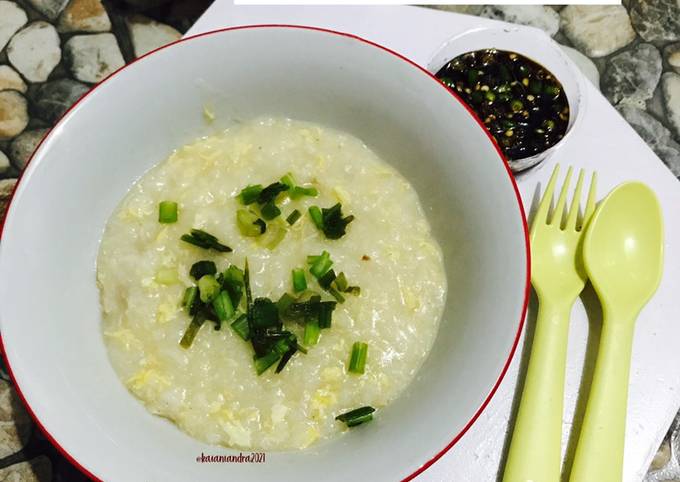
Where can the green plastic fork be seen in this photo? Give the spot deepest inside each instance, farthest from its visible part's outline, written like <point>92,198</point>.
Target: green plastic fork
<point>558,277</point>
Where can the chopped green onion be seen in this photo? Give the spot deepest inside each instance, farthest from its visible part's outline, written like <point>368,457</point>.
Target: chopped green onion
<point>270,211</point>
<point>264,362</point>
<point>357,361</point>
<point>204,240</point>
<point>202,268</point>
<point>232,282</point>
<point>353,290</point>
<point>270,192</point>
<point>356,416</point>
<point>222,306</point>
<point>341,283</point>
<point>167,212</point>
<point>264,313</point>
<point>286,358</point>
<point>167,276</point>
<point>284,303</point>
<point>298,191</point>
<point>326,280</point>
<point>299,280</point>
<point>190,297</point>
<point>336,294</point>
<point>276,233</point>
<point>249,224</point>
<point>312,332</point>
<point>192,330</point>
<point>293,217</point>
<point>325,313</point>
<point>288,180</point>
<point>317,217</point>
<point>333,224</point>
<point>250,194</point>
<point>208,288</point>
<point>240,326</point>
<point>321,265</point>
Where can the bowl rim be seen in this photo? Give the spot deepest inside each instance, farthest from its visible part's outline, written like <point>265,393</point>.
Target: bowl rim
<point>520,205</point>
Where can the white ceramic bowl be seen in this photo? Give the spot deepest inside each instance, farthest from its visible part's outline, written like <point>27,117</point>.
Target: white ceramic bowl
<point>49,307</point>
<point>535,44</point>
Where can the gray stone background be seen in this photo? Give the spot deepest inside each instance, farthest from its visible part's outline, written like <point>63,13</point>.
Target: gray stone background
<point>53,51</point>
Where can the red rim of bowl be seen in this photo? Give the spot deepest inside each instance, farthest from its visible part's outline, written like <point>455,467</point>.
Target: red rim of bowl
<point>520,205</point>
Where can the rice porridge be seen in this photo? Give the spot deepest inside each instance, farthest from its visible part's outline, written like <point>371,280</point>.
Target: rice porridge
<point>392,301</point>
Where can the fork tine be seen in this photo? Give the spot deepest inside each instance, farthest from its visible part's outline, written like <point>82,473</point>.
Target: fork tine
<point>590,206</point>
<point>562,200</point>
<point>544,206</point>
<point>573,210</point>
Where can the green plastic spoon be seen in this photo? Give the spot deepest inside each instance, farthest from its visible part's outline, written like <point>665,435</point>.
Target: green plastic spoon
<point>623,256</point>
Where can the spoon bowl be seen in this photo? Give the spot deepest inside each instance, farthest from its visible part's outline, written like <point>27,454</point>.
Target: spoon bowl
<point>623,248</point>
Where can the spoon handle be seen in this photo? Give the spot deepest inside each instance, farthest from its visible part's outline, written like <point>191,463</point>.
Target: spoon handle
<point>534,453</point>
<point>599,453</point>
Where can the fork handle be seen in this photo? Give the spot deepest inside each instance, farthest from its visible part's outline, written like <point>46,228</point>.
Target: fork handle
<point>599,452</point>
<point>535,448</point>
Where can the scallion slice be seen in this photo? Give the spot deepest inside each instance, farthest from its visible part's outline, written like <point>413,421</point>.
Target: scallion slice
<point>284,303</point>
<point>190,297</point>
<point>327,278</point>
<point>264,362</point>
<point>299,280</point>
<point>205,240</point>
<point>340,282</point>
<point>264,313</point>
<point>312,332</point>
<point>286,358</point>
<point>192,330</point>
<point>321,265</point>
<point>357,416</point>
<point>270,211</point>
<point>240,326</point>
<point>293,217</point>
<point>333,224</point>
<point>288,180</point>
<point>299,191</point>
<point>250,194</point>
<point>357,361</point>
<point>270,192</point>
<point>167,212</point>
<point>222,306</point>
<point>326,313</point>
<point>317,217</point>
<point>202,268</point>
<point>208,288</point>
<point>232,282</point>
<point>249,224</point>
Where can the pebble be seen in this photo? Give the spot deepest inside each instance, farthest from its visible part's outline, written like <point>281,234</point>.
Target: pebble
<point>11,80</point>
<point>655,134</point>
<point>671,53</point>
<point>93,57</point>
<point>54,98</point>
<point>84,16</point>
<point>6,188</point>
<point>585,65</point>
<point>597,30</point>
<point>631,76</point>
<point>49,8</point>
<point>12,18</point>
<point>662,456</point>
<point>38,469</point>
<point>21,149</point>
<point>35,51</point>
<point>656,20</point>
<point>464,9</point>
<point>4,162</point>
<point>13,114</point>
<point>670,87</point>
<point>537,16</point>
<point>147,34</point>
<point>15,423</point>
